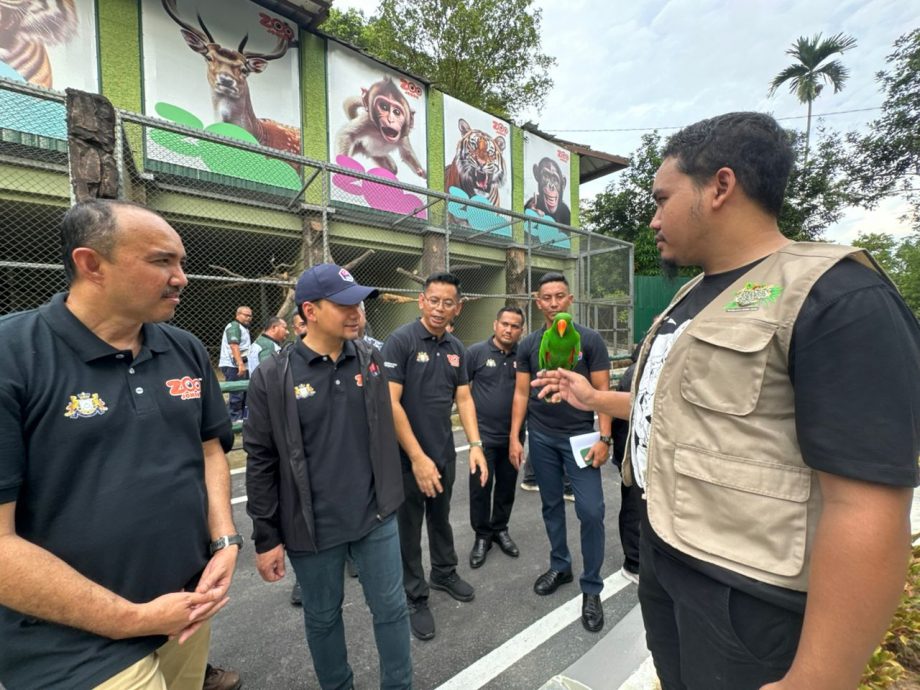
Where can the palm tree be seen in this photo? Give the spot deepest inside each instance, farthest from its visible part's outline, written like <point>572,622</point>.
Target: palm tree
<point>804,76</point>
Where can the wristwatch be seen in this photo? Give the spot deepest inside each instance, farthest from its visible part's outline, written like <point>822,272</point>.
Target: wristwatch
<point>607,439</point>
<point>475,444</point>
<point>225,541</point>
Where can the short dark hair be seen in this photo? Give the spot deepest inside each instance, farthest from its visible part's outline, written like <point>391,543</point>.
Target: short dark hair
<point>552,277</point>
<point>753,145</point>
<point>92,224</point>
<point>271,322</point>
<point>510,308</point>
<point>443,277</point>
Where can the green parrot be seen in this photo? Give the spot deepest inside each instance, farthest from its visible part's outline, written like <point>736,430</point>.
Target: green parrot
<point>561,344</point>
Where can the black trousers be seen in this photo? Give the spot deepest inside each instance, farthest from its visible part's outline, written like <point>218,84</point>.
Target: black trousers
<point>705,635</point>
<point>628,520</point>
<point>435,512</point>
<point>490,514</point>
<point>236,403</point>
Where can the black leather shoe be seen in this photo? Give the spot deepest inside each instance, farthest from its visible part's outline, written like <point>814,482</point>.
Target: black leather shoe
<point>592,612</point>
<point>480,548</point>
<point>506,543</point>
<point>549,581</point>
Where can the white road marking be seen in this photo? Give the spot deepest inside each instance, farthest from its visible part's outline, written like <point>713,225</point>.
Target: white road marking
<point>531,637</point>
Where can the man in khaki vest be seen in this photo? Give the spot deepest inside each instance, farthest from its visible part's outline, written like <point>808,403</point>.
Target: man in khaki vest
<point>775,430</point>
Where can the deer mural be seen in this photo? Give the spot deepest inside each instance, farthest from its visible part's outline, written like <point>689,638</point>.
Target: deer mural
<point>228,74</point>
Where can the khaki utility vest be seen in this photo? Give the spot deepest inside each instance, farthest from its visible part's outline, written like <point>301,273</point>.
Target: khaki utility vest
<point>726,482</point>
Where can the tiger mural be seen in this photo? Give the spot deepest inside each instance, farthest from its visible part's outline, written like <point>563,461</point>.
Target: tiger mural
<point>26,27</point>
<point>478,167</point>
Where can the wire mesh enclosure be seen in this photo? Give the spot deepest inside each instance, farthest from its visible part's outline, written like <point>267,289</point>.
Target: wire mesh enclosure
<point>252,218</point>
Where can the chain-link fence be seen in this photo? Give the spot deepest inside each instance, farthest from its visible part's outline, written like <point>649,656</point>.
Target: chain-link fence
<point>34,194</point>
<point>252,218</point>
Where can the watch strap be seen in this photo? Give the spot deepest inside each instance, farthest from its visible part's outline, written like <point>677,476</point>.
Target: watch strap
<point>225,541</point>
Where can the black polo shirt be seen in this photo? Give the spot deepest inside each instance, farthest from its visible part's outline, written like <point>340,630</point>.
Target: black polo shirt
<point>333,425</point>
<point>561,419</point>
<point>102,454</point>
<point>491,372</point>
<point>430,370</point>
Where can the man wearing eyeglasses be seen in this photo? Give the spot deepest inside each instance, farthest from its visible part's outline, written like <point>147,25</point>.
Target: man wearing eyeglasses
<point>426,368</point>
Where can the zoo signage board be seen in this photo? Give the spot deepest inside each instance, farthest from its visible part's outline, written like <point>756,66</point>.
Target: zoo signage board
<point>547,172</point>
<point>477,158</point>
<point>234,73</point>
<point>378,126</point>
<point>51,45</point>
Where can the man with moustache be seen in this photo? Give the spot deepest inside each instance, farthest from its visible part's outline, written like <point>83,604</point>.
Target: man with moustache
<point>491,367</point>
<point>427,372</point>
<point>117,542</point>
<point>550,428</point>
<point>775,530</point>
<point>268,343</point>
<point>331,489</point>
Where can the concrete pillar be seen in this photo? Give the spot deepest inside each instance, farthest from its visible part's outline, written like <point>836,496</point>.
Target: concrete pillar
<point>91,137</point>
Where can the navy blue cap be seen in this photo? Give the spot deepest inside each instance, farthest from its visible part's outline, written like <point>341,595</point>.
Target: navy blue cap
<point>331,282</point>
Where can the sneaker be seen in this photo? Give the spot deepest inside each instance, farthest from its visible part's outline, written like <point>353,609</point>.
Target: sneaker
<point>568,494</point>
<point>420,619</point>
<point>630,575</point>
<point>221,679</point>
<point>456,586</point>
<point>530,486</point>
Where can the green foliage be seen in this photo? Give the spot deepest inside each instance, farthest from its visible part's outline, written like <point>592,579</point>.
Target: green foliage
<point>625,209</point>
<point>897,659</point>
<point>483,52</point>
<point>814,200</point>
<point>887,160</point>
<point>816,197</point>
<point>900,259</point>
<point>811,68</point>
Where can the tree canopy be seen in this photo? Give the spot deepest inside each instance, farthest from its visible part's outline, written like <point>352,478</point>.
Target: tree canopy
<point>812,70</point>
<point>484,52</point>
<point>813,202</point>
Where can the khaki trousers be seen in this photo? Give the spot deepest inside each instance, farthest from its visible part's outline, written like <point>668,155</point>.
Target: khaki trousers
<point>171,667</point>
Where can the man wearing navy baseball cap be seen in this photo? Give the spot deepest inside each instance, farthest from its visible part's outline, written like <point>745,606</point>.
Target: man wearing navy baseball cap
<point>332,491</point>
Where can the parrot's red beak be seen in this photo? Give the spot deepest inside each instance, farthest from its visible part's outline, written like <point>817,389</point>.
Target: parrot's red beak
<point>561,326</point>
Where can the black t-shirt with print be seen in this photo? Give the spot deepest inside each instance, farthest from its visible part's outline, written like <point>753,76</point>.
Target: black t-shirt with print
<point>854,363</point>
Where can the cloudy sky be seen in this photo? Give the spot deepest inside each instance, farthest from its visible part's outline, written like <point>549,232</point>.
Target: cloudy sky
<point>637,66</point>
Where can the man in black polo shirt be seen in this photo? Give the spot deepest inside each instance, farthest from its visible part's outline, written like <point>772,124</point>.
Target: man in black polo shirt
<point>113,478</point>
<point>550,427</point>
<point>491,366</point>
<point>426,368</point>
<point>331,490</point>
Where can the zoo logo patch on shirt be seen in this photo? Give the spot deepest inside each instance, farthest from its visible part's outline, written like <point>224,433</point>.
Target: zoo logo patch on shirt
<point>490,362</point>
<point>421,357</point>
<point>373,370</point>
<point>454,360</point>
<point>85,405</point>
<point>304,391</point>
<point>359,380</point>
<point>753,295</point>
<point>186,388</point>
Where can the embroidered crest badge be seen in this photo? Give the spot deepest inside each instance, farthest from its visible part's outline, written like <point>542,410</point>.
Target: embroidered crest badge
<point>490,362</point>
<point>453,360</point>
<point>85,405</point>
<point>303,391</point>
<point>421,357</point>
<point>753,295</point>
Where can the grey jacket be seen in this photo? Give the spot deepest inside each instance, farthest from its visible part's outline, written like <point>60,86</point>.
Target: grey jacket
<point>277,483</point>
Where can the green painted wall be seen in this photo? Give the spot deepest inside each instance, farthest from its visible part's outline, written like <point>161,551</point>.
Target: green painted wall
<point>517,181</point>
<point>313,96</point>
<point>120,53</point>
<point>435,115</point>
<point>574,174</point>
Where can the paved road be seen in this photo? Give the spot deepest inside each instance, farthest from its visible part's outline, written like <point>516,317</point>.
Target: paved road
<point>261,634</point>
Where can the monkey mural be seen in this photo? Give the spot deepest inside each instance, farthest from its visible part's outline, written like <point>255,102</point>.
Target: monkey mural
<point>550,188</point>
<point>379,122</point>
